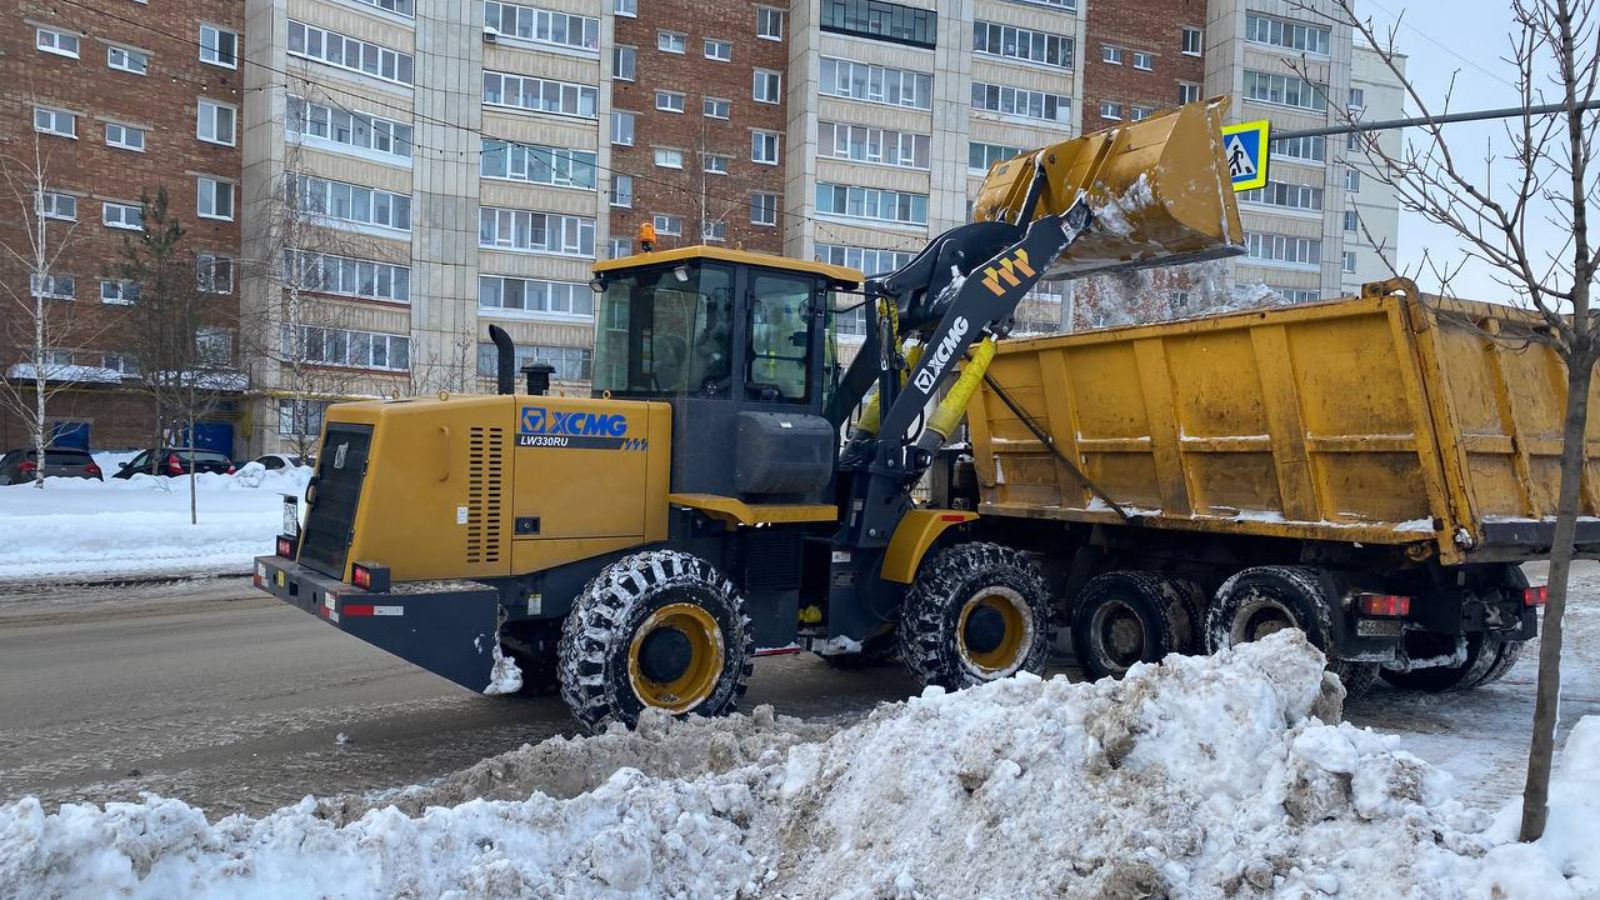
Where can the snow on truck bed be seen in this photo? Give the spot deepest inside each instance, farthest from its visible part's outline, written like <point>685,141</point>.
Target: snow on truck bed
<point>78,529</point>
<point>1199,777</point>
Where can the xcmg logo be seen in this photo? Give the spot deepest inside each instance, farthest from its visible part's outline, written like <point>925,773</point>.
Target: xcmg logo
<point>928,378</point>
<point>1005,277</point>
<point>543,427</point>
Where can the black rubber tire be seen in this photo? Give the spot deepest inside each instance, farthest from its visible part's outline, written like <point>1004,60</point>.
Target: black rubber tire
<point>1284,596</point>
<point>1121,618</point>
<point>1186,609</point>
<point>876,651</point>
<point>1488,660</point>
<point>596,636</point>
<point>1504,661</point>
<point>931,614</point>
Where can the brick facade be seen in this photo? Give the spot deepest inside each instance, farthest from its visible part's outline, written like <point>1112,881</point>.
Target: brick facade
<point>1146,26</point>
<point>685,193</point>
<point>162,102</point>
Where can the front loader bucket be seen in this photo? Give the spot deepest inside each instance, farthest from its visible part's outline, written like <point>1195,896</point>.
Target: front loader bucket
<point>1159,189</point>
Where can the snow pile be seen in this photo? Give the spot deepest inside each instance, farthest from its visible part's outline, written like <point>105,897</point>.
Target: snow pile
<point>1111,216</point>
<point>1200,777</point>
<point>78,528</point>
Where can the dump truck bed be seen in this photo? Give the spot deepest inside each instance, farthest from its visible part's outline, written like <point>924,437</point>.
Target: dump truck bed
<point>1380,420</point>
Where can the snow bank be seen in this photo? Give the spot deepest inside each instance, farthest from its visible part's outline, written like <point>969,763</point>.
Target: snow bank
<point>77,528</point>
<point>1199,777</point>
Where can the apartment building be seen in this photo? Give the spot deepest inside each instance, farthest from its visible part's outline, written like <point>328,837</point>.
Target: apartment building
<point>100,101</point>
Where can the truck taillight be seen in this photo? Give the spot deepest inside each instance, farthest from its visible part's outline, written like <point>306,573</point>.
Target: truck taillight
<point>369,577</point>
<point>285,546</point>
<point>1535,596</point>
<point>174,464</point>
<point>1385,605</point>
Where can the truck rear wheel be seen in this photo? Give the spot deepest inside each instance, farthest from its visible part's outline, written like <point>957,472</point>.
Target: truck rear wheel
<point>657,629</point>
<point>975,613</point>
<point>1487,660</point>
<point>1123,618</point>
<point>1266,599</point>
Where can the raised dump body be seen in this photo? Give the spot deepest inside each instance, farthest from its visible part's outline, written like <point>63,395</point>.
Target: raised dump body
<point>1380,420</point>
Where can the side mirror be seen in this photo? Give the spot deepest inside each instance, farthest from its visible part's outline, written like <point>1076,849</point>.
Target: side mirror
<point>122,465</point>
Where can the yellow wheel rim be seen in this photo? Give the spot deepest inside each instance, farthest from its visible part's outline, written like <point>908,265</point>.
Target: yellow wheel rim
<point>1006,656</point>
<point>705,658</point>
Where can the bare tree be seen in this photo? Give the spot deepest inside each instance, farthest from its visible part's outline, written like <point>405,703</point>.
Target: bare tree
<point>452,367</point>
<point>39,323</point>
<point>1495,205</point>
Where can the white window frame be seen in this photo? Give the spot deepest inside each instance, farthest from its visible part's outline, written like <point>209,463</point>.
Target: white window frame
<point>1022,97</point>
<point>122,221</point>
<point>675,101</point>
<point>718,44</point>
<point>1358,99</point>
<point>667,158</point>
<point>709,106</point>
<point>873,199</point>
<point>566,32</point>
<point>119,296</point>
<point>766,18</point>
<point>618,53</point>
<point>566,167</point>
<point>368,207</point>
<point>346,276</point>
<point>1199,41</point>
<point>1146,57</point>
<point>572,295</point>
<point>129,54</point>
<point>758,139</point>
<point>715,163</point>
<point>56,38</point>
<point>1138,112</point>
<point>53,287</point>
<point>212,263</point>
<point>582,95</point>
<point>403,65</point>
<point>56,115</point>
<point>773,79</point>
<point>1111,110</point>
<point>211,186</point>
<point>51,209</point>
<point>1111,54</point>
<point>1020,48</point>
<point>759,204</point>
<point>1190,92</point>
<point>876,77</point>
<point>342,129</point>
<point>672,41</point>
<point>619,198</point>
<point>1352,220</point>
<point>628,9</point>
<point>1352,181</point>
<point>714,230</point>
<point>211,53</point>
<point>1347,264</point>
<point>617,118</point>
<point>667,225</point>
<point>208,110</point>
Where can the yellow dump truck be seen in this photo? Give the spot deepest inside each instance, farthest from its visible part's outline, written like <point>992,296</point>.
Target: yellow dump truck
<point>1370,470</point>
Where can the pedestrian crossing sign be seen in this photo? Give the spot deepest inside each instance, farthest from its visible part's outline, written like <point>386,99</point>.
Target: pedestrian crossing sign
<point>1244,146</point>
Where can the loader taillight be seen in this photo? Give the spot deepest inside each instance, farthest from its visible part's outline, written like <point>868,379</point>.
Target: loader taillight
<point>285,546</point>
<point>1535,596</point>
<point>1385,605</point>
<point>369,577</point>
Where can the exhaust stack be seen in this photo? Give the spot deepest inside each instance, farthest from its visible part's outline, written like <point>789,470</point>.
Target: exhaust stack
<point>505,362</point>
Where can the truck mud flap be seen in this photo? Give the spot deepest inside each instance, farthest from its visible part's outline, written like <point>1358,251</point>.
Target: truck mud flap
<point>451,633</point>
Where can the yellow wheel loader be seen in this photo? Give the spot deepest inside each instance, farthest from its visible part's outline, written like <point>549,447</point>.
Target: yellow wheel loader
<point>633,549</point>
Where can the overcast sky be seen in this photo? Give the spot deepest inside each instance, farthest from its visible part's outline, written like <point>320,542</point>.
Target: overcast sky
<point>1466,39</point>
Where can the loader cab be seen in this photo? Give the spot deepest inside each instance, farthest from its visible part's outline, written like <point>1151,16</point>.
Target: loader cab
<point>741,344</point>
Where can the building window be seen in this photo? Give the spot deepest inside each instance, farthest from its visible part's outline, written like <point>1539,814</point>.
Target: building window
<point>345,202</point>
<point>982,157</point>
<point>764,209</point>
<point>769,23</point>
<point>213,274</point>
<point>1352,181</point>
<point>1311,149</point>
<point>355,349</point>
<point>326,273</point>
<point>885,21</point>
<point>220,47</point>
<point>216,123</point>
<point>334,49</point>
<point>1305,252</point>
<point>764,147</point>
<point>670,226</point>
<point>54,205</point>
<point>1358,99</point>
<point>558,29</point>
<point>1352,141</point>
<point>301,417</point>
<point>540,95</point>
<point>1188,92</point>
<point>564,298</point>
<point>53,287</point>
<point>1296,36</point>
<point>399,7</point>
<point>626,8</point>
<point>713,164</point>
<point>671,42</point>
<point>58,42</point>
<point>1145,62</point>
<point>669,101</point>
<point>1289,196</point>
<point>1348,265</point>
<point>713,230</point>
<point>124,137</point>
<point>768,86</point>
<point>872,203</point>
<point>1297,295</point>
<point>341,126</point>
<point>622,190</point>
<point>1110,54</point>
<point>1110,110</point>
<point>533,164</point>
<point>1139,113</point>
<point>719,50</point>
<point>873,145</point>
<point>569,363</point>
<point>1010,42</point>
<point>867,260</point>
<point>715,108</point>
<point>535,232</point>
<point>58,122</point>
<point>617,248</point>
<point>1285,90</point>
<point>1193,41</point>
<point>126,59</point>
<point>622,129</point>
<point>1350,220</point>
<point>876,84</point>
<point>119,292</point>
<point>667,158</point>
<point>1014,101</point>
<point>624,63</point>
<point>122,215</point>
<point>215,199</point>
<point>123,364</point>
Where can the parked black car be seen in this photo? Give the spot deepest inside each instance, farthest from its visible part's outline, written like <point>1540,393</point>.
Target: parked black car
<point>175,461</point>
<point>19,466</point>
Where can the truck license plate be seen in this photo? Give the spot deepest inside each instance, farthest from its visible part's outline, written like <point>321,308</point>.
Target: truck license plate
<point>1378,627</point>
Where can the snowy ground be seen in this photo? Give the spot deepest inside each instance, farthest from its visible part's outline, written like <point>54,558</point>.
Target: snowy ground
<point>81,530</point>
<point>1201,777</point>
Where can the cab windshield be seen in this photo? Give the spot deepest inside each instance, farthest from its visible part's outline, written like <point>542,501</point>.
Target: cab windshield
<point>666,331</point>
